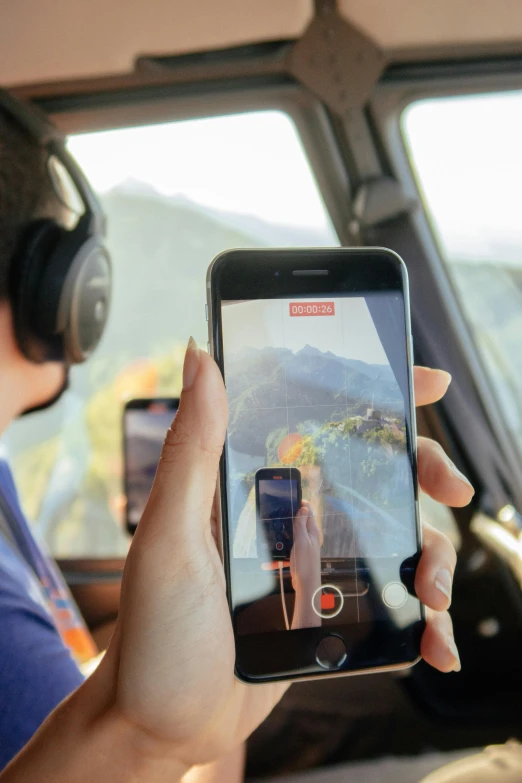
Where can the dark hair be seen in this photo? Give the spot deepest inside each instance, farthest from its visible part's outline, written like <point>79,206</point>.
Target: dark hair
<point>26,190</point>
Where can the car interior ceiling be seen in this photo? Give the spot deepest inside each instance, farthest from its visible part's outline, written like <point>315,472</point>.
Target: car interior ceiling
<point>344,72</point>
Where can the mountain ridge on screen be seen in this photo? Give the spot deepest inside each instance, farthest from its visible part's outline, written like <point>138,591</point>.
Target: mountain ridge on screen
<point>272,387</point>
<point>373,371</point>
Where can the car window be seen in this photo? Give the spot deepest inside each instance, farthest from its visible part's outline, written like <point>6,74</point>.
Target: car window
<point>175,194</point>
<point>466,153</point>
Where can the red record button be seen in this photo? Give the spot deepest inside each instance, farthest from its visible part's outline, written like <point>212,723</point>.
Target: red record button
<point>279,546</point>
<point>327,601</point>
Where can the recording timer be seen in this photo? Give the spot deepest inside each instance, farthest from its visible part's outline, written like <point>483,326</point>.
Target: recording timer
<point>299,309</point>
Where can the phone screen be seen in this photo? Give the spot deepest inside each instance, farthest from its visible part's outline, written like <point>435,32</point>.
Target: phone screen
<point>277,500</point>
<point>319,385</point>
<point>145,425</point>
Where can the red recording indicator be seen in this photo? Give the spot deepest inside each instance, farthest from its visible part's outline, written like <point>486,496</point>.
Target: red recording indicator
<point>327,601</point>
<point>303,309</point>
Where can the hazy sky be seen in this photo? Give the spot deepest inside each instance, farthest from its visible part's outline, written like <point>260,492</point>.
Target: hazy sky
<point>248,163</point>
<point>468,154</point>
<point>466,150</point>
<point>350,333</point>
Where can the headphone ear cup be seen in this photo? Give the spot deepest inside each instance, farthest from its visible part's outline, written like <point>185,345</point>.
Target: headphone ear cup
<point>35,247</point>
<point>74,295</point>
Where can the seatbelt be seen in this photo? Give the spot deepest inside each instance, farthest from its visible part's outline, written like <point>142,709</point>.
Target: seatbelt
<point>7,532</point>
<point>5,529</point>
<point>56,597</point>
<point>8,527</point>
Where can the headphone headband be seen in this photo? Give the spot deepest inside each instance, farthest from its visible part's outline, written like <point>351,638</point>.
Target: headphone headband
<point>36,124</point>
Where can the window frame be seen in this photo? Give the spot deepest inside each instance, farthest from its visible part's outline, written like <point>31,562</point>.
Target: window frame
<point>153,104</point>
<point>158,104</point>
<point>496,469</point>
<point>343,152</point>
<point>401,87</point>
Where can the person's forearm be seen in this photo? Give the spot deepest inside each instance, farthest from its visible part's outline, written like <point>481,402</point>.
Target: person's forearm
<point>86,740</point>
<point>304,615</point>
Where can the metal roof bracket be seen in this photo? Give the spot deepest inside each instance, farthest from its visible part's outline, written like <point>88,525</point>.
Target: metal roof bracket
<point>341,65</point>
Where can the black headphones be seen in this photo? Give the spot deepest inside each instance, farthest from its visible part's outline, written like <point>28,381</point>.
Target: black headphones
<point>60,279</point>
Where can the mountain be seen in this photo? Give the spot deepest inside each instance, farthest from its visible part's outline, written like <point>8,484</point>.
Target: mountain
<point>272,235</point>
<point>274,388</point>
<point>373,371</point>
<point>160,248</point>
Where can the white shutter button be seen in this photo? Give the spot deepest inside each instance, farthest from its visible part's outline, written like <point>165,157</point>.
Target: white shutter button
<point>395,595</point>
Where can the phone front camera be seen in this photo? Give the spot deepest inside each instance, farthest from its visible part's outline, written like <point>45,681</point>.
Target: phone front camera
<point>276,274</point>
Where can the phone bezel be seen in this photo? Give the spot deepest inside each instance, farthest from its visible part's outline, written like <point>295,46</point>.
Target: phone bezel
<point>268,273</point>
<point>138,403</point>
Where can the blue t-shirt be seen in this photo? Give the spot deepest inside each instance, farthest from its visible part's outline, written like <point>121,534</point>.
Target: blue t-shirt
<point>37,670</point>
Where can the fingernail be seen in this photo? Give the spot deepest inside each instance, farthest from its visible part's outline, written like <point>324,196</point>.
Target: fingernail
<point>448,376</point>
<point>454,651</point>
<point>443,582</point>
<point>191,364</point>
<point>460,475</point>
<point>302,513</point>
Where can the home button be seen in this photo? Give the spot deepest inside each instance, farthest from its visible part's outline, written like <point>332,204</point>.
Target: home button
<point>331,652</point>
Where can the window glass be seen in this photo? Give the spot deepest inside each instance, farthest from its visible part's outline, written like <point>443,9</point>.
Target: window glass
<point>467,155</point>
<point>175,194</point>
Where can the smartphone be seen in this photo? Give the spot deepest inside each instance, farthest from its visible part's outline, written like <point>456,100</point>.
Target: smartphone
<point>278,499</point>
<point>315,349</point>
<point>145,424</point>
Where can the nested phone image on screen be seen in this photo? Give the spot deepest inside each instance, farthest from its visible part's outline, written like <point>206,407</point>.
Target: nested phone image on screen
<point>145,424</point>
<point>318,386</point>
<point>278,499</point>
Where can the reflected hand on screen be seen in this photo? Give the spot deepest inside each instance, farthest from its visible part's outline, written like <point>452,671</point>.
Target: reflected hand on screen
<point>305,567</point>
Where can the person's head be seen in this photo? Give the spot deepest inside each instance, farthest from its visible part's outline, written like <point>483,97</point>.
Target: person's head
<point>26,193</point>
<point>55,271</point>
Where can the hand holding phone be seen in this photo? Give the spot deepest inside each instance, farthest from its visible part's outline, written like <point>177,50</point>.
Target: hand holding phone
<point>190,613</point>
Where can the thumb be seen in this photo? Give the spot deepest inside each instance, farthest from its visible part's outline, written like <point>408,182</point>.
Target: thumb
<point>185,481</point>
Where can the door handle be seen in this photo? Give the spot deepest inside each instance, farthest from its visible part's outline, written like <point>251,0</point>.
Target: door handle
<point>502,536</point>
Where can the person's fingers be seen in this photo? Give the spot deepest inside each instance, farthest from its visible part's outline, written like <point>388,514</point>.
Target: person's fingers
<point>438,646</point>
<point>434,576</point>
<point>311,524</point>
<point>185,483</point>
<point>430,385</point>
<point>439,477</point>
